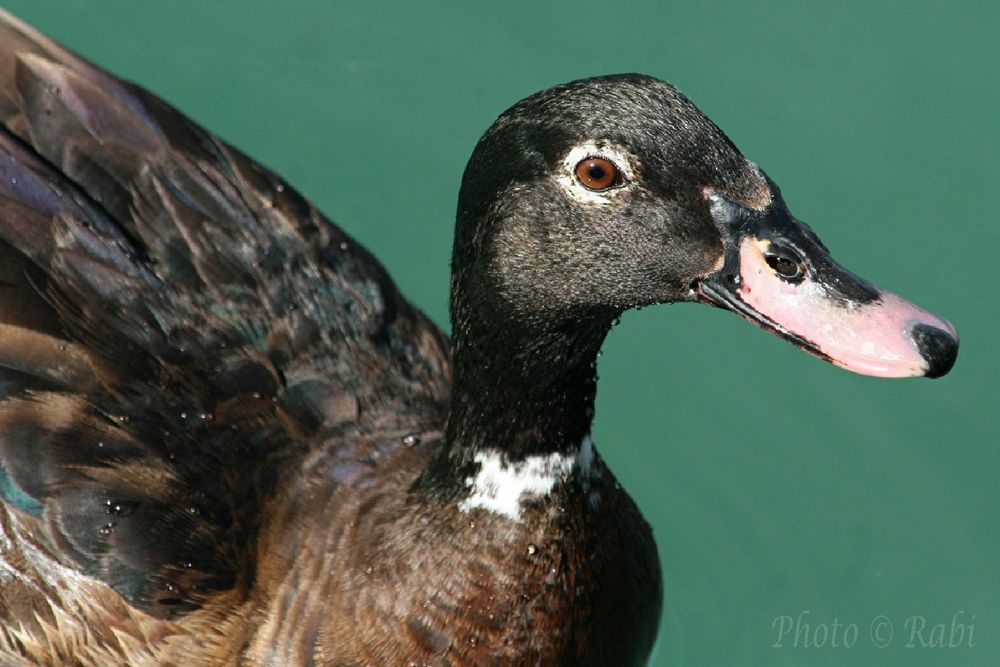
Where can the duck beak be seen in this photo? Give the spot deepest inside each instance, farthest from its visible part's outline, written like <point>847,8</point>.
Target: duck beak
<point>778,275</point>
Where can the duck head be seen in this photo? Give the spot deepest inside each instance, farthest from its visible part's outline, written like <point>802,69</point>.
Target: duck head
<point>609,193</point>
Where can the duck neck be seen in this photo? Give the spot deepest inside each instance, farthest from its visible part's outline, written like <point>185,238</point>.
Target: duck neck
<point>521,388</point>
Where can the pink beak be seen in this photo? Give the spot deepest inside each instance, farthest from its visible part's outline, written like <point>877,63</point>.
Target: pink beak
<point>778,275</point>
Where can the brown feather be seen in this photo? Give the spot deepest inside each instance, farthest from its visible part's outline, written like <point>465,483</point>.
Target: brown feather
<point>217,410</point>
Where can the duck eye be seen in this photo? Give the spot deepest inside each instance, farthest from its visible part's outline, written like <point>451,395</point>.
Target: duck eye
<point>597,173</point>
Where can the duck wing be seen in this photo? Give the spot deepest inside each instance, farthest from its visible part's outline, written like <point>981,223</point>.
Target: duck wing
<point>178,330</point>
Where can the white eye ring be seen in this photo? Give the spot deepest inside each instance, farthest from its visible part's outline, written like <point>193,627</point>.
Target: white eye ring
<point>567,176</point>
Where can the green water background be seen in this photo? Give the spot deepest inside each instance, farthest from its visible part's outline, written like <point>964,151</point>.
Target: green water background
<point>777,486</point>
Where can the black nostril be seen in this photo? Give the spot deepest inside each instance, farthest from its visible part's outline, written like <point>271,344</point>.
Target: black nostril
<point>938,347</point>
<point>785,263</point>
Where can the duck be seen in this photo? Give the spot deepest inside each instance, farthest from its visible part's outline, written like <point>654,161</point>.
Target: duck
<point>226,438</point>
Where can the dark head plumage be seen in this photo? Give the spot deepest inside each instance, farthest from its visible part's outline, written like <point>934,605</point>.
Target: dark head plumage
<point>225,436</point>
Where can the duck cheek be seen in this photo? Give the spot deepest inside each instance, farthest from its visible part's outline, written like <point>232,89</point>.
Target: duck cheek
<point>884,337</point>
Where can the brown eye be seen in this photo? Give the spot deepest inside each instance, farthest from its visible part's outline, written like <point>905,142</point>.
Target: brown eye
<point>597,173</point>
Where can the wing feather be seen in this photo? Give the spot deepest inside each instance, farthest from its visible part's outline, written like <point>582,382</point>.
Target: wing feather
<point>178,328</point>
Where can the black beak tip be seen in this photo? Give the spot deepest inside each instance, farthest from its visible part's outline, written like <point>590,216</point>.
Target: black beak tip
<point>938,347</point>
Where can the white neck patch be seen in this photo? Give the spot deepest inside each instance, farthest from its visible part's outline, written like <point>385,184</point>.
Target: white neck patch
<point>501,486</point>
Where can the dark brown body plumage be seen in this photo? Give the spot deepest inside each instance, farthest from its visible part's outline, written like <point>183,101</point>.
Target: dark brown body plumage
<point>374,578</point>
<point>472,589</point>
<point>227,439</point>
<point>214,416</point>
